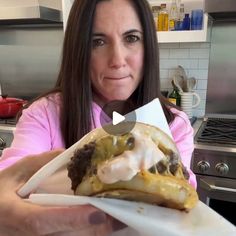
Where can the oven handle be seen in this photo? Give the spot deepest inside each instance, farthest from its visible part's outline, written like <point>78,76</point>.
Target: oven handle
<point>211,187</point>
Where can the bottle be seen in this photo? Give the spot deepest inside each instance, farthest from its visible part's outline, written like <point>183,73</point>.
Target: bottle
<point>155,11</point>
<point>186,22</point>
<point>163,19</point>
<point>181,12</point>
<point>179,23</point>
<point>173,16</point>
<point>196,19</point>
<point>174,97</point>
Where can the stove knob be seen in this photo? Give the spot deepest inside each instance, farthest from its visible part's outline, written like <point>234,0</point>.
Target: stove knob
<point>203,166</point>
<point>222,168</point>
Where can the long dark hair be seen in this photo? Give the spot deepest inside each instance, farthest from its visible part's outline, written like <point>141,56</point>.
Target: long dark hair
<point>74,77</point>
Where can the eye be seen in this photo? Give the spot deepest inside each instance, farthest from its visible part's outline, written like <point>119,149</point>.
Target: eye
<point>98,42</point>
<point>132,38</point>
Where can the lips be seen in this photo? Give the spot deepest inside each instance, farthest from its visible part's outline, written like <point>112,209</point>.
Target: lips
<point>117,77</point>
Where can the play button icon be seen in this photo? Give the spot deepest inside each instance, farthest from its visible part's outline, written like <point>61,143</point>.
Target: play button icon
<point>118,117</point>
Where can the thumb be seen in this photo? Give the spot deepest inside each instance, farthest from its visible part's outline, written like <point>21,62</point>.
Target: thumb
<point>26,167</point>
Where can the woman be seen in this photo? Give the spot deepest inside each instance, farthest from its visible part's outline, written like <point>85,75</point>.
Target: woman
<point>109,53</point>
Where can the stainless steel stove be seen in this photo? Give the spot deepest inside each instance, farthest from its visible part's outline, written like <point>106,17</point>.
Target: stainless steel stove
<point>214,157</point>
<point>214,163</point>
<point>218,131</point>
<point>215,148</point>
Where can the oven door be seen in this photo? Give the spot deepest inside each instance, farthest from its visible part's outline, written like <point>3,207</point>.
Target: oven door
<point>219,194</point>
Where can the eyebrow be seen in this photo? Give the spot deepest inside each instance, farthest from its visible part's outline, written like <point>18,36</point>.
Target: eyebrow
<point>126,33</point>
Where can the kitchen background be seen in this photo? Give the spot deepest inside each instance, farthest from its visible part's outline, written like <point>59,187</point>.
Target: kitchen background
<point>30,54</point>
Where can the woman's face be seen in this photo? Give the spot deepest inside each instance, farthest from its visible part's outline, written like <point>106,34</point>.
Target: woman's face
<point>118,51</point>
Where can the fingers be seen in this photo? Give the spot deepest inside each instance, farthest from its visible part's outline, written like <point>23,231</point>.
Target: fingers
<point>100,230</point>
<point>50,220</point>
<point>39,220</point>
<point>117,225</point>
<point>103,229</point>
<point>26,167</point>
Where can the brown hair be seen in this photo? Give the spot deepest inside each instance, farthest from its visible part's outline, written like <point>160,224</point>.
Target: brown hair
<point>74,76</point>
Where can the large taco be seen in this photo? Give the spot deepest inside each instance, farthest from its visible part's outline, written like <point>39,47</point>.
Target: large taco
<point>141,165</point>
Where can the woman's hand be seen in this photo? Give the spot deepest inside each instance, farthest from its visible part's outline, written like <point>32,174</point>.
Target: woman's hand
<point>21,218</point>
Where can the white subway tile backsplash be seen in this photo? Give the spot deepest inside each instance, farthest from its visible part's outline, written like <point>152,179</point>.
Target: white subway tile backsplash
<point>168,63</point>
<point>164,53</point>
<point>179,53</point>
<point>202,105</point>
<point>194,45</point>
<point>164,74</point>
<point>202,53</point>
<point>171,74</point>
<point>202,84</point>
<point>203,64</point>
<point>194,57</point>
<point>189,45</point>
<point>188,64</point>
<point>205,45</point>
<point>201,93</point>
<point>198,74</point>
<point>168,45</point>
<point>166,84</point>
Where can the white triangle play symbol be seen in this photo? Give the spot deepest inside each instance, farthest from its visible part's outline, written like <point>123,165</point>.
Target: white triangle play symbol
<point>117,118</point>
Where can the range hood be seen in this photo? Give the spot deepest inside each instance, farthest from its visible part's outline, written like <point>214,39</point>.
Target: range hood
<point>221,9</point>
<point>16,12</point>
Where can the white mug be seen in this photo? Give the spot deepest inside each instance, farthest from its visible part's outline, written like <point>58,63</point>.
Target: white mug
<point>187,102</point>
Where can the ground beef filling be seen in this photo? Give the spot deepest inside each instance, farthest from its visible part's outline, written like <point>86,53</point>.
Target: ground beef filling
<point>81,164</point>
<point>170,166</point>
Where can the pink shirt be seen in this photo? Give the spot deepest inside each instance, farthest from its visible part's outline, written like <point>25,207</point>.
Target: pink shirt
<point>38,130</point>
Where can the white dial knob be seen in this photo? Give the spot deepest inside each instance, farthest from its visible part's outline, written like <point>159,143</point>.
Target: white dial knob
<point>222,168</point>
<point>203,166</point>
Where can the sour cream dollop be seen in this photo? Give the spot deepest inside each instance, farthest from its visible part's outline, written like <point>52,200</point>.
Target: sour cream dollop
<point>124,167</point>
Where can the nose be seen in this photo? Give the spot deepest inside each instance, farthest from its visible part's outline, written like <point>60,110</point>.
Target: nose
<point>117,56</point>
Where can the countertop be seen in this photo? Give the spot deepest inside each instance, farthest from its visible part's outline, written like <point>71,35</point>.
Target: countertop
<point>196,125</point>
